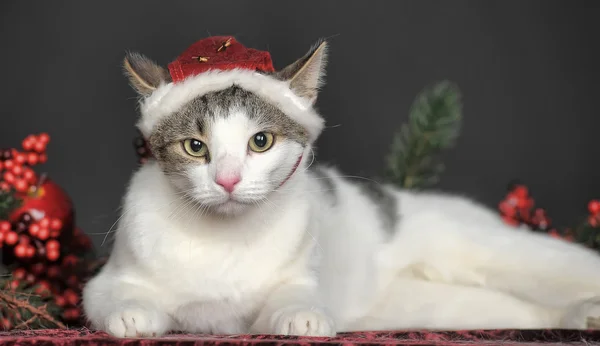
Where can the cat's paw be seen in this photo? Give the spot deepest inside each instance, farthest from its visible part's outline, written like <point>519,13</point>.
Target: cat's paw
<point>137,322</point>
<point>302,321</point>
<point>583,315</point>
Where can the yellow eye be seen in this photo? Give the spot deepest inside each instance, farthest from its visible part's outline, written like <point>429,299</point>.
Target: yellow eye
<point>261,142</point>
<point>195,147</point>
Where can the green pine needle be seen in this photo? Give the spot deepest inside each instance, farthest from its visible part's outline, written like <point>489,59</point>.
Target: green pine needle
<point>8,203</point>
<point>433,126</point>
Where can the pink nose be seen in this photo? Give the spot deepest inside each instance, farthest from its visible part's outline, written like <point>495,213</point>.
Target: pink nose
<point>228,182</point>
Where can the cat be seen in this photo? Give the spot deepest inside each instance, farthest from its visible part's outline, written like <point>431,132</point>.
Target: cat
<point>232,229</point>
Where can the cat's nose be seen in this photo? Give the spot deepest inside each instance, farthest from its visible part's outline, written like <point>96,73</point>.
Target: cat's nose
<point>228,182</point>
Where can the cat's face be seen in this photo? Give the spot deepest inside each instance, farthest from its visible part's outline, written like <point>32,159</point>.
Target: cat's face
<point>227,140</point>
<point>228,150</point>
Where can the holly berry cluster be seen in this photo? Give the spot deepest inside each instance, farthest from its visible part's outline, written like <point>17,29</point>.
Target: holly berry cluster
<point>15,165</point>
<point>39,241</point>
<point>518,209</point>
<point>30,239</point>
<point>142,150</point>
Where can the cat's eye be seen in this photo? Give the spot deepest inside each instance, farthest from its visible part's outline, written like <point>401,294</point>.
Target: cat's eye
<point>261,142</point>
<point>195,147</point>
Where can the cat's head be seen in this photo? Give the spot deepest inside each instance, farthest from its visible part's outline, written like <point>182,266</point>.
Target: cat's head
<point>228,139</point>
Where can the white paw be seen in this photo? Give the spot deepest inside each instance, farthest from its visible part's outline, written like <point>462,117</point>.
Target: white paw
<point>137,322</point>
<point>302,321</point>
<point>583,315</point>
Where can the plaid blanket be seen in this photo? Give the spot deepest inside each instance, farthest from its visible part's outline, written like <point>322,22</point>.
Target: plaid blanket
<point>483,337</point>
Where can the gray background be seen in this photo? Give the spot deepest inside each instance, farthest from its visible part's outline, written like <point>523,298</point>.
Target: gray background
<point>528,70</point>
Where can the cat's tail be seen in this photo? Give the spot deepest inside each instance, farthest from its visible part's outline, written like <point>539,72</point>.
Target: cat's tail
<point>533,266</point>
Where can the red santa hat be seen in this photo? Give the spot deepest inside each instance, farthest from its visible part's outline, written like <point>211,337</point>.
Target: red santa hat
<point>217,63</point>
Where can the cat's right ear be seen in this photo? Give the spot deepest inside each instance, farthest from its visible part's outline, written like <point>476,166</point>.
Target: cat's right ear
<point>144,74</point>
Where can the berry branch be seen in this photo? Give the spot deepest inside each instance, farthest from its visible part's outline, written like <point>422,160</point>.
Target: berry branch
<point>41,245</point>
<point>518,209</point>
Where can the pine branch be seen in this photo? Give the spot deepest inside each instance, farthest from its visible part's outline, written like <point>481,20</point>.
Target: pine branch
<point>8,203</point>
<point>28,310</point>
<point>433,126</point>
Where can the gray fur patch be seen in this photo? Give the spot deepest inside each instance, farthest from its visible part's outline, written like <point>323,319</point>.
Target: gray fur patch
<point>386,203</point>
<point>194,118</point>
<point>325,180</point>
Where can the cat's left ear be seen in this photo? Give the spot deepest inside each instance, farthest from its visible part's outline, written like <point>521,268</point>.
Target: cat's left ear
<point>307,74</point>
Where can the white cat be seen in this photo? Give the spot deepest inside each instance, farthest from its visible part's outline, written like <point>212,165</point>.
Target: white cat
<point>232,230</point>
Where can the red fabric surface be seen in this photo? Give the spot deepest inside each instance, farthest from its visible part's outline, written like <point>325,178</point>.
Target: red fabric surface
<point>495,337</point>
<point>228,58</point>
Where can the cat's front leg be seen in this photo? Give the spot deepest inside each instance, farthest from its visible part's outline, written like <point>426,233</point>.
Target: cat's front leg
<point>293,309</point>
<point>123,309</point>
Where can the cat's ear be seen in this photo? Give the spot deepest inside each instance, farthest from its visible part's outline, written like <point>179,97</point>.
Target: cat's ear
<point>144,74</point>
<point>307,74</point>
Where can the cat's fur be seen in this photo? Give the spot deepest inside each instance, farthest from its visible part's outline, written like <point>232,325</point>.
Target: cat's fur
<point>319,254</point>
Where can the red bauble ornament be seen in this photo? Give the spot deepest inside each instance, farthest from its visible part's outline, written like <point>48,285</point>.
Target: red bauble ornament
<point>48,200</point>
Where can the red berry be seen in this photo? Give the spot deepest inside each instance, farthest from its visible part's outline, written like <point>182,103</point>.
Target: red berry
<point>28,143</point>
<point>34,229</point>
<point>56,224</point>
<point>30,252</point>
<point>521,191</point>
<point>14,284</point>
<point>44,222</point>
<point>52,245</point>
<point>30,278</point>
<point>593,221</point>
<point>32,158</point>
<point>594,207</point>
<point>29,175</point>
<point>39,147</point>
<point>5,226</point>
<point>71,314</point>
<point>9,164</point>
<point>23,239</point>
<point>1,239</point>
<point>60,300</point>
<point>43,158</point>
<point>554,234</point>
<point>19,273</point>
<point>20,158</point>
<point>70,260</point>
<point>11,238</point>
<point>7,324</point>
<point>1,165</point>
<point>44,138</point>
<point>38,268</point>
<point>20,251</point>
<point>9,177</point>
<point>43,234</point>
<point>17,169</point>
<point>53,271</point>
<point>72,281</point>
<point>71,297</point>
<point>52,255</point>
<point>4,186</point>
<point>509,220</point>
<point>21,185</point>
